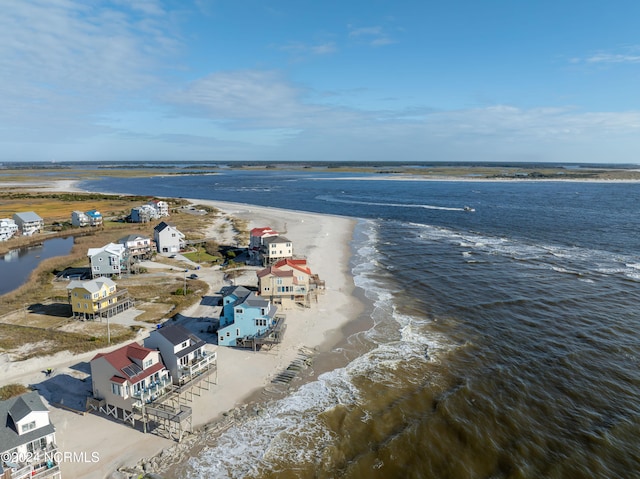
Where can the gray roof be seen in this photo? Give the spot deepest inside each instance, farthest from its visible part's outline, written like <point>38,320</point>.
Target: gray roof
<point>237,291</point>
<point>28,216</point>
<point>126,239</point>
<point>177,334</point>
<point>255,301</point>
<point>15,409</point>
<point>276,239</point>
<point>93,286</point>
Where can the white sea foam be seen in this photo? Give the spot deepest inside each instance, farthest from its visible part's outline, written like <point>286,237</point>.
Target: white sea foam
<point>291,430</point>
<point>333,199</point>
<point>560,258</point>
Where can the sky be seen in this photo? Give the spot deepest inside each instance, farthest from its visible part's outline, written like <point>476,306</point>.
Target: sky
<point>302,80</point>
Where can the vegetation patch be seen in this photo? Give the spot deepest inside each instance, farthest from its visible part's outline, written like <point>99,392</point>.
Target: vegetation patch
<point>12,390</point>
<point>14,339</point>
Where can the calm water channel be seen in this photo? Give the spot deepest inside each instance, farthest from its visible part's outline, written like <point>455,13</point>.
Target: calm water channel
<point>17,265</point>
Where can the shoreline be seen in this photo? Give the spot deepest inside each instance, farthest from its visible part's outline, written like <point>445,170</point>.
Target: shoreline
<point>326,241</point>
<point>318,329</point>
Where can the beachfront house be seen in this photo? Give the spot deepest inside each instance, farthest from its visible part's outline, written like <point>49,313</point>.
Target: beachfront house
<point>288,283</point>
<point>86,218</point>
<point>182,351</point>
<point>138,247</point>
<point>127,378</point>
<point>96,299</point>
<point>110,260</point>
<point>27,439</point>
<point>28,222</point>
<point>143,214</point>
<point>161,207</point>
<point>168,239</point>
<point>8,228</point>
<point>276,248</point>
<point>247,319</point>
<point>256,242</point>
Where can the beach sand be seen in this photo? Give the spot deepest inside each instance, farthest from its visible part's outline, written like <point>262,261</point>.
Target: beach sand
<point>96,446</point>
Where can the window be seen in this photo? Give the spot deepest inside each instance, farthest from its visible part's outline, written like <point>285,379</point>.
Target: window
<point>28,427</point>
<point>116,389</point>
<point>185,344</point>
<point>147,363</point>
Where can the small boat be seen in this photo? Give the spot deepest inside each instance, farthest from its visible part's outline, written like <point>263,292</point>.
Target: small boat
<point>469,209</point>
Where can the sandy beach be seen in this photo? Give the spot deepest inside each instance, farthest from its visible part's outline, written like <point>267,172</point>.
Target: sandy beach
<point>98,446</point>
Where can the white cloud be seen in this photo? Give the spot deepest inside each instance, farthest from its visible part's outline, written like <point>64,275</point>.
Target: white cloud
<point>303,49</point>
<point>613,58</point>
<point>630,55</point>
<point>250,97</point>
<point>65,59</point>
<point>374,36</point>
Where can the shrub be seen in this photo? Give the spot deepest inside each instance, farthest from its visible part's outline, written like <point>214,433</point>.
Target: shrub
<point>12,390</point>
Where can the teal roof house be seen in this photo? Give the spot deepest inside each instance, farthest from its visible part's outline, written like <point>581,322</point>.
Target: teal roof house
<point>247,319</point>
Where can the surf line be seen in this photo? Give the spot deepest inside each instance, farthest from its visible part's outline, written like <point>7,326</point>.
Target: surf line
<point>397,205</point>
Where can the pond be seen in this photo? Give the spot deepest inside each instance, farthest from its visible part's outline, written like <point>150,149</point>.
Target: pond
<point>17,265</point>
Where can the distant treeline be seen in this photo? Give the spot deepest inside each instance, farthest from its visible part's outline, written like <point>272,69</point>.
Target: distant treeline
<point>67,196</point>
<point>303,164</point>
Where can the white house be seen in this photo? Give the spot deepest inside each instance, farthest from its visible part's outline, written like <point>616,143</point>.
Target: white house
<point>28,222</point>
<point>27,439</point>
<point>161,207</point>
<point>256,241</point>
<point>138,246</point>
<point>276,248</point>
<point>168,239</point>
<point>8,228</point>
<point>143,214</point>
<point>182,351</point>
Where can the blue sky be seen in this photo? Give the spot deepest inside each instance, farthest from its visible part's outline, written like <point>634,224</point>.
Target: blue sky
<point>354,80</point>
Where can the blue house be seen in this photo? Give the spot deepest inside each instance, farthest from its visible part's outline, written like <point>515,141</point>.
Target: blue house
<point>248,319</point>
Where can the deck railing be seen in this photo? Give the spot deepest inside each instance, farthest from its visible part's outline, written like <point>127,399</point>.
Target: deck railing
<point>197,365</point>
<point>153,391</point>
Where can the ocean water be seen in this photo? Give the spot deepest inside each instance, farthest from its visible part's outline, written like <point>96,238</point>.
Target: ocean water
<point>502,343</point>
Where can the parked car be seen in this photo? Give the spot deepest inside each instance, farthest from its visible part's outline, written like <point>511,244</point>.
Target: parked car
<point>193,276</point>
